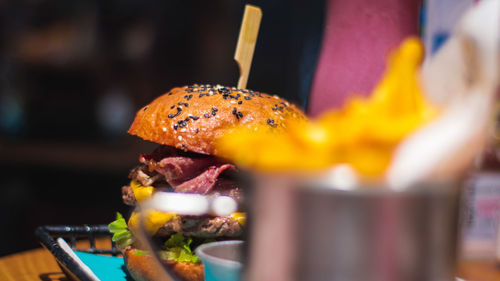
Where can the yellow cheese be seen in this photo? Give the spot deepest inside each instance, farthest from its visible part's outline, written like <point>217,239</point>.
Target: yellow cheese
<point>240,217</point>
<point>153,220</point>
<point>141,192</point>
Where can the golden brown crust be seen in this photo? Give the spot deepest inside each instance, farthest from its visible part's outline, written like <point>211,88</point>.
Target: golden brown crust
<point>192,118</point>
<point>141,268</point>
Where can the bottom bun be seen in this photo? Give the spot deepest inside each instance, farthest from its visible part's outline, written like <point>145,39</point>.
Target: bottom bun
<point>141,268</point>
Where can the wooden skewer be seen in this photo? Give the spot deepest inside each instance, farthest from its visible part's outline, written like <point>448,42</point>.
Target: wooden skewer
<point>246,42</point>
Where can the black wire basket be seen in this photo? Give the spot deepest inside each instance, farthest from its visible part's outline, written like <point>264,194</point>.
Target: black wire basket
<point>49,234</point>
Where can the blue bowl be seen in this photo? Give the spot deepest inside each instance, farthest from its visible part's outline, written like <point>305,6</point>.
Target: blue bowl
<point>221,260</point>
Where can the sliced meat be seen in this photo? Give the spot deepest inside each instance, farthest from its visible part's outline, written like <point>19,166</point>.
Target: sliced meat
<point>177,166</point>
<point>228,187</point>
<point>180,169</point>
<point>202,227</point>
<point>205,182</point>
<point>184,171</point>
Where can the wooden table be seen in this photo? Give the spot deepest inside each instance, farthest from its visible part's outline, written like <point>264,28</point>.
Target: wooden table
<point>39,265</point>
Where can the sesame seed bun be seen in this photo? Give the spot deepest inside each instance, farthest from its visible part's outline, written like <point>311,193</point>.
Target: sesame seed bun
<point>191,118</point>
<point>141,267</point>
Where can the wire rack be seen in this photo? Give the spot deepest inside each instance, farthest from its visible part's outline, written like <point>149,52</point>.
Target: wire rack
<point>72,233</point>
<point>49,234</point>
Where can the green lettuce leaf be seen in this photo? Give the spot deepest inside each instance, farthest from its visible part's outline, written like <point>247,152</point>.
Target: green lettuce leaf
<point>141,253</point>
<point>178,248</point>
<point>121,234</point>
<point>175,240</point>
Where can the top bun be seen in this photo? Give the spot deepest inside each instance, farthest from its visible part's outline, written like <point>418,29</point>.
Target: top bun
<point>191,118</point>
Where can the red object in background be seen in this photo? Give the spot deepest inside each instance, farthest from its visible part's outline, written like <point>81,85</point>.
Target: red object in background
<point>357,37</point>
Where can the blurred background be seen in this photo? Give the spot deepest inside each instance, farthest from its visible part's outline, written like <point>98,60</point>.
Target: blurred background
<point>73,73</point>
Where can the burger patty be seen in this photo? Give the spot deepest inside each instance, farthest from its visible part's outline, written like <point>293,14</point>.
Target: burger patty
<point>201,227</point>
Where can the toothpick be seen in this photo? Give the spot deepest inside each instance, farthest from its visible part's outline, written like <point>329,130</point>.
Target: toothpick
<point>246,42</point>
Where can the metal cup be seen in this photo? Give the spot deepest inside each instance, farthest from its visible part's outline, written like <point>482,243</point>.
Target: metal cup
<point>302,230</point>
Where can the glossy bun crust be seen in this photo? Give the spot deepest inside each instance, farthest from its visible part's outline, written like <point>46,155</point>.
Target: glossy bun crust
<point>141,268</point>
<point>191,118</point>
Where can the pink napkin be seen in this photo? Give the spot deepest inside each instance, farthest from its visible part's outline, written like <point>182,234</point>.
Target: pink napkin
<point>357,37</point>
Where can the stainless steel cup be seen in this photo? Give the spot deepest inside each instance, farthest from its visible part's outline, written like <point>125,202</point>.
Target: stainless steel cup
<point>301,230</point>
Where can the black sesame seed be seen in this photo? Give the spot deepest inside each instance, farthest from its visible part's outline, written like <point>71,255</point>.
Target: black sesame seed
<point>248,98</point>
<point>145,108</point>
<point>197,130</point>
<point>176,126</point>
<point>181,123</point>
<point>189,97</point>
<point>184,146</point>
<point>172,107</point>
<point>224,90</point>
<point>214,109</point>
<point>240,115</point>
<point>234,110</point>
<point>179,108</point>
<point>194,117</point>
<point>189,90</point>
<point>240,102</point>
<point>271,123</point>
<point>170,93</point>
<point>206,115</point>
<point>187,119</point>
<point>213,113</point>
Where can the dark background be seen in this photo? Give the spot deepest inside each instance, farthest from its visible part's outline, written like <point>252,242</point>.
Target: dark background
<point>73,73</point>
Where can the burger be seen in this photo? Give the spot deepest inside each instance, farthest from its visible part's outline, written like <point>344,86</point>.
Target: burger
<point>186,123</point>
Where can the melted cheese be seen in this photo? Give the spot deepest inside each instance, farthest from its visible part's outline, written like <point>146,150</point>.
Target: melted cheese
<point>240,217</point>
<point>153,220</point>
<point>141,192</point>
